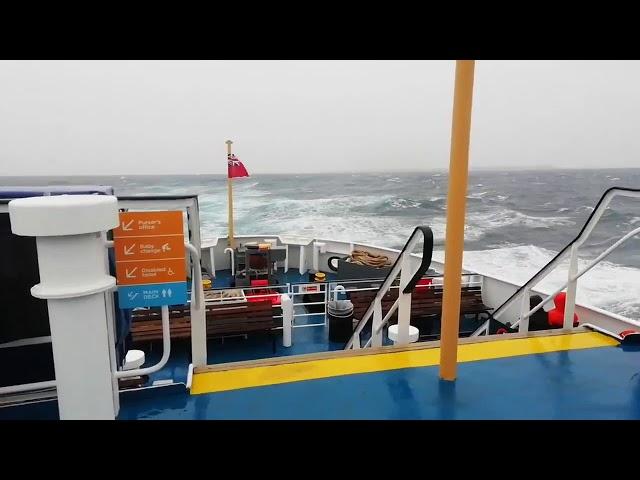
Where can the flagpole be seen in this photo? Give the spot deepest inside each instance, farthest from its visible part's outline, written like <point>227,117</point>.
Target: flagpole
<point>232,242</point>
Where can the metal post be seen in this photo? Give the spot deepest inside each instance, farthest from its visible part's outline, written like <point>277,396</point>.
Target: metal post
<point>524,311</point>
<point>314,256</point>
<point>213,262</point>
<point>286,258</point>
<point>456,204</point>
<point>572,284</point>
<point>376,333</point>
<point>197,310</point>
<point>404,303</point>
<point>73,279</point>
<point>287,319</point>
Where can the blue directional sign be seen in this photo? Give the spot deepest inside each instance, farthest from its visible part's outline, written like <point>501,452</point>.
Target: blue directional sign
<point>152,295</point>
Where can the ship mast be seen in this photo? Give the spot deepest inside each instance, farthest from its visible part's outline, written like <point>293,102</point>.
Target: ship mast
<point>456,203</point>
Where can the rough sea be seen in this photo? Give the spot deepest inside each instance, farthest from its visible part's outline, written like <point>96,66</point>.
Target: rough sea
<point>516,220</point>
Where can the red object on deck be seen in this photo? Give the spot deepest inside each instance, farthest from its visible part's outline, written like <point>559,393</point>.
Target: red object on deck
<point>423,282</point>
<point>556,316</point>
<point>629,332</point>
<point>263,293</point>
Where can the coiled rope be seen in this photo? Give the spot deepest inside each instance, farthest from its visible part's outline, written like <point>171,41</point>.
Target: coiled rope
<point>362,257</point>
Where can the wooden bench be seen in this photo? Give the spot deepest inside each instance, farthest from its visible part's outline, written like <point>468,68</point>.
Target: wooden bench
<point>222,320</point>
<point>426,303</point>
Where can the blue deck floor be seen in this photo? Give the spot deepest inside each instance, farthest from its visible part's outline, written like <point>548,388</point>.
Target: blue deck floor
<point>598,383</point>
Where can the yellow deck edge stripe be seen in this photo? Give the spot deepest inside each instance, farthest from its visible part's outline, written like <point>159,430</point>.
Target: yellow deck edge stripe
<point>219,381</point>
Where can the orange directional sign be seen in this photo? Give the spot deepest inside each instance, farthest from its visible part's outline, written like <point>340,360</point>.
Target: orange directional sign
<point>137,272</point>
<point>137,224</point>
<point>148,248</point>
<point>150,259</point>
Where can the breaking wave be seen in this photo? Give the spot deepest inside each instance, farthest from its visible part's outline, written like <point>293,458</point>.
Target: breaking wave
<point>609,286</point>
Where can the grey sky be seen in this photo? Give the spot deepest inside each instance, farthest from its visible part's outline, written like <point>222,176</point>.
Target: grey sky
<point>159,117</point>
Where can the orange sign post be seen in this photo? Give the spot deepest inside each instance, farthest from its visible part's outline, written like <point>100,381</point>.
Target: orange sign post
<point>150,259</point>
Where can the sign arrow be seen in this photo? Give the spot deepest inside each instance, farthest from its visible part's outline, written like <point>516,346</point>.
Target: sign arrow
<point>166,248</point>
<point>129,250</point>
<point>130,274</point>
<point>126,228</point>
<point>133,295</point>
<point>164,293</point>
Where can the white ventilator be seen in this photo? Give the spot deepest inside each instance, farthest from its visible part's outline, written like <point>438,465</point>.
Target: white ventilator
<point>72,260</point>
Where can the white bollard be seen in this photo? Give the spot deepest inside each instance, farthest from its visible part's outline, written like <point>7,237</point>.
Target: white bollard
<point>73,279</point>
<point>287,319</point>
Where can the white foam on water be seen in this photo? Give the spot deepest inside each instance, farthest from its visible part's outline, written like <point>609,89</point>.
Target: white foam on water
<point>404,203</point>
<point>477,195</point>
<point>609,286</point>
<point>505,217</point>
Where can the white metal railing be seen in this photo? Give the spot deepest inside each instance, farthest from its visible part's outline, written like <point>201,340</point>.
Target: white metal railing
<point>408,279</point>
<point>572,249</point>
<point>166,351</point>
<point>301,289</point>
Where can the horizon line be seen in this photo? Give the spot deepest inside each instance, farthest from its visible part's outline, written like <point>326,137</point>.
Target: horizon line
<point>351,172</point>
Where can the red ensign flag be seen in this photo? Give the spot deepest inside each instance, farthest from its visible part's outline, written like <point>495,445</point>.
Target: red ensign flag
<point>235,167</point>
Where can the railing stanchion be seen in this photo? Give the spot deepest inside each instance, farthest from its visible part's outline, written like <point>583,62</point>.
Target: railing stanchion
<point>376,334</point>
<point>572,284</point>
<point>524,311</point>
<point>287,319</point>
<point>404,304</point>
<point>197,310</point>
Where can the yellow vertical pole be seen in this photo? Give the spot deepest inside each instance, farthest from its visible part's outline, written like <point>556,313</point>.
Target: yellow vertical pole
<point>456,203</point>
<point>232,242</point>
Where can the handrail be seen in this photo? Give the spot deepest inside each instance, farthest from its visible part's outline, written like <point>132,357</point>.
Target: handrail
<point>427,251</point>
<point>197,274</point>
<point>166,351</point>
<point>582,237</point>
<point>573,278</point>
